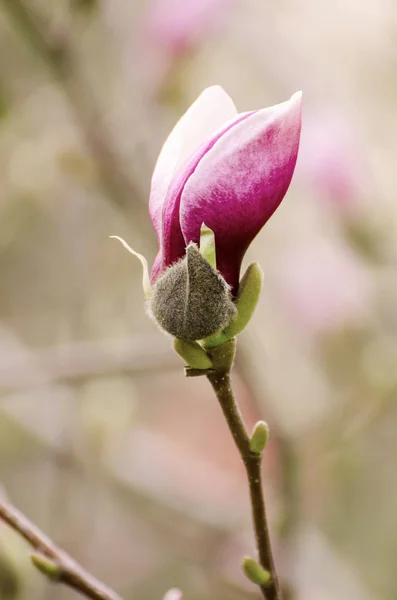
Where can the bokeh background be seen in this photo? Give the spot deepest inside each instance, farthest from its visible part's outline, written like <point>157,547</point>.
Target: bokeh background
<point>103,443</point>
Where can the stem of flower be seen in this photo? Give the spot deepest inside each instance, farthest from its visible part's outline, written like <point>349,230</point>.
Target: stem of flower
<point>221,383</point>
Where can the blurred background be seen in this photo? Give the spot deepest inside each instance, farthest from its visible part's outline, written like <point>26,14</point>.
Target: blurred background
<point>103,443</point>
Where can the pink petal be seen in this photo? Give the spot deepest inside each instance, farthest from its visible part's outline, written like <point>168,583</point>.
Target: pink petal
<point>157,266</point>
<point>205,116</point>
<point>240,180</point>
<point>177,25</point>
<point>172,242</point>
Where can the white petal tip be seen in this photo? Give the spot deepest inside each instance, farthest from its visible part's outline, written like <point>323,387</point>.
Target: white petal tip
<point>216,87</point>
<point>297,97</point>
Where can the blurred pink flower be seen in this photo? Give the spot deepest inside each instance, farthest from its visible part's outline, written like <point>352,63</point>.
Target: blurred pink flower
<point>173,594</point>
<point>332,158</point>
<point>324,285</point>
<point>176,26</point>
<point>173,28</point>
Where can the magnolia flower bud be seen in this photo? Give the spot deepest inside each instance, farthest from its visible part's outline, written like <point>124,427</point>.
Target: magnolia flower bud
<point>191,301</point>
<point>227,170</point>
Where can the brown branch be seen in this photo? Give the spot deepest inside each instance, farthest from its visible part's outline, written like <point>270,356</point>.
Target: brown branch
<point>252,462</point>
<point>221,383</point>
<point>289,465</point>
<point>51,560</point>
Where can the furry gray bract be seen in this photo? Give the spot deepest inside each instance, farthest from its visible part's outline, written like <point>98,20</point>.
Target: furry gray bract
<point>191,300</point>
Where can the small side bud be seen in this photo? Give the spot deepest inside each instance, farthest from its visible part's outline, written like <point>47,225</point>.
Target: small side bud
<point>255,572</point>
<point>46,566</point>
<point>193,354</point>
<point>191,300</point>
<point>259,437</point>
<point>207,245</point>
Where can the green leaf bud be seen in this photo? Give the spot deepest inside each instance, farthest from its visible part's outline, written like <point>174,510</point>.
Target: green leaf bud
<point>46,566</point>
<point>193,354</point>
<point>255,572</point>
<point>191,300</point>
<point>248,295</point>
<point>259,437</point>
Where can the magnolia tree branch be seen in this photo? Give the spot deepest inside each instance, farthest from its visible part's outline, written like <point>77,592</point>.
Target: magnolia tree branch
<point>289,464</point>
<point>53,562</point>
<point>220,380</point>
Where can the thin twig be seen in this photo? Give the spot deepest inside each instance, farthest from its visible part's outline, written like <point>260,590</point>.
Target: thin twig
<point>289,467</point>
<point>221,384</point>
<point>68,571</point>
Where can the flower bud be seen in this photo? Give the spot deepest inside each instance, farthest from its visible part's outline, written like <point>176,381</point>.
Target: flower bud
<point>191,301</point>
<point>230,173</point>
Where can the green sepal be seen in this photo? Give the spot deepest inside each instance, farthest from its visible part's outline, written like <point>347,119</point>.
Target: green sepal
<point>259,437</point>
<point>255,572</point>
<point>207,245</point>
<point>46,566</point>
<point>248,295</point>
<point>193,354</point>
<point>213,341</point>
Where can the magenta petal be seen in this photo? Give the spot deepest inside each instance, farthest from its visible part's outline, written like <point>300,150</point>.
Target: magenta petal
<point>156,269</point>
<point>212,110</point>
<point>172,241</point>
<point>240,181</point>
